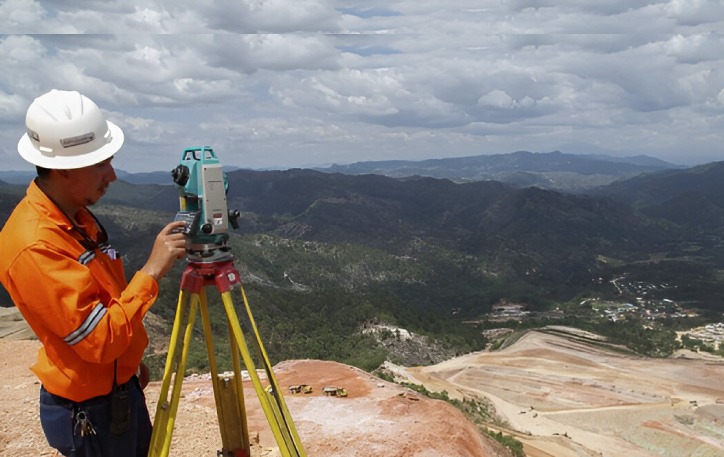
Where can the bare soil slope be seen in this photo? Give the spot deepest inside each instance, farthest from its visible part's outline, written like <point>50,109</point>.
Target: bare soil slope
<point>565,397</point>
<point>560,395</point>
<point>377,418</point>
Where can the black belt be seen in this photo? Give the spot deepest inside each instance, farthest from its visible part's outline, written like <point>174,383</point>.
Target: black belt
<point>93,400</point>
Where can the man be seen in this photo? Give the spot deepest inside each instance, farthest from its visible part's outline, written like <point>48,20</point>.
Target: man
<point>68,282</point>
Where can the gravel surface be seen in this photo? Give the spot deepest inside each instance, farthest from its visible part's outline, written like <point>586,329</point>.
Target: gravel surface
<point>377,418</point>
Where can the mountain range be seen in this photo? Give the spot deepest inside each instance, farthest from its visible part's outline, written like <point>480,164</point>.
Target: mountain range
<point>322,253</point>
<point>552,170</point>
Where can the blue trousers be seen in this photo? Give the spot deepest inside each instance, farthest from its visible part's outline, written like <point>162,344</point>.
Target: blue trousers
<point>67,425</point>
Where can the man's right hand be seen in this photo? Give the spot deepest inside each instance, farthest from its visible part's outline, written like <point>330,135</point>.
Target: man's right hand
<point>170,245</point>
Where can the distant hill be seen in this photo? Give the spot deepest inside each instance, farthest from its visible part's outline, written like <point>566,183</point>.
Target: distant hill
<point>17,177</point>
<point>693,198</point>
<point>529,241</point>
<point>330,252</point>
<point>658,187</point>
<point>542,238</point>
<point>23,177</point>
<point>151,177</point>
<point>552,170</point>
<point>475,217</point>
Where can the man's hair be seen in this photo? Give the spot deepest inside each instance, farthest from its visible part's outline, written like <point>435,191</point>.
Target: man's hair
<point>42,172</point>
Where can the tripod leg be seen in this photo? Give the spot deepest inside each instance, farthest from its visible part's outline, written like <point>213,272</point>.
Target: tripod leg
<point>236,404</point>
<point>175,366</point>
<point>276,413</point>
<point>229,397</point>
<point>283,411</point>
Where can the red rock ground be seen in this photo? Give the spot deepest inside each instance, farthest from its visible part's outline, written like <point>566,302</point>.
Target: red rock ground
<point>377,418</point>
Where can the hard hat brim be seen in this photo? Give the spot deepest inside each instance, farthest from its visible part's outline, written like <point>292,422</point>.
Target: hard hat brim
<point>30,153</point>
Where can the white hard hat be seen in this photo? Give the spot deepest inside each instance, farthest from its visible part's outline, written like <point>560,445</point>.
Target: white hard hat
<point>66,130</point>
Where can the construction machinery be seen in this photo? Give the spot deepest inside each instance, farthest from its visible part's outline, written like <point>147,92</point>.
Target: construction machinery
<point>300,388</point>
<point>335,391</point>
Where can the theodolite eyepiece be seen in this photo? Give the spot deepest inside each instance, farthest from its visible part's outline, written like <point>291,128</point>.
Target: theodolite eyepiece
<point>180,175</point>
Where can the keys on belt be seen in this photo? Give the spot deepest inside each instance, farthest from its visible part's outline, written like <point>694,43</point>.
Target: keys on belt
<point>83,425</point>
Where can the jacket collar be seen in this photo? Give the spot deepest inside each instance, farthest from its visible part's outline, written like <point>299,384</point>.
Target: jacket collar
<point>43,204</point>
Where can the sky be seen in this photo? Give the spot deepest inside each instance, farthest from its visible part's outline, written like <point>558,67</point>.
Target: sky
<point>276,84</point>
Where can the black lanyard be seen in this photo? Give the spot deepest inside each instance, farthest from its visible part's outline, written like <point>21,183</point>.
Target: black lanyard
<point>87,242</point>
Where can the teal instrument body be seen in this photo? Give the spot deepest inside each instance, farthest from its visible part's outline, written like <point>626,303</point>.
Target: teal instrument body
<point>202,187</point>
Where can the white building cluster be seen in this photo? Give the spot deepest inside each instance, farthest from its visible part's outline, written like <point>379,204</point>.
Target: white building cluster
<point>710,334</point>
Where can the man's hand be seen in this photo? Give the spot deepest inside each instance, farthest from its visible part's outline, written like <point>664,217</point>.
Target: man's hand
<point>170,245</point>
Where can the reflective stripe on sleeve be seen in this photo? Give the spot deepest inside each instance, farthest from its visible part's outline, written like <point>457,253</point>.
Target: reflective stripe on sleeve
<point>77,335</point>
<point>86,257</point>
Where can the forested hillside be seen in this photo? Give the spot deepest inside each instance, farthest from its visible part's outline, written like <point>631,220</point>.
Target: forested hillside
<point>323,255</point>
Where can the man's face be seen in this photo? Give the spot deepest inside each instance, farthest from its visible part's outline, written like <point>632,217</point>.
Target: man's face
<point>87,185</point>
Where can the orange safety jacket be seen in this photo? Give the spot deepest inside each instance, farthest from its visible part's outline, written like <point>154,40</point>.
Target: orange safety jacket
<point>76,300</point>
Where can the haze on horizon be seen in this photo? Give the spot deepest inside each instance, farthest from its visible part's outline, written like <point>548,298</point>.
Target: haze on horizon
<point>304,83</point>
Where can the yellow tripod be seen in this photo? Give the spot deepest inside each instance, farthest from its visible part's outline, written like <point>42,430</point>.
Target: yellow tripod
<point>228,391</point>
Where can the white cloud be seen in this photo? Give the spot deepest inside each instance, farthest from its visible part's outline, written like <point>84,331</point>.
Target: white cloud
<point>695,13</point>
<point>291,51</point>
<point>21,51</point>
<point>21,15</point>
<point>270,16</point>
<point>291,82</point>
